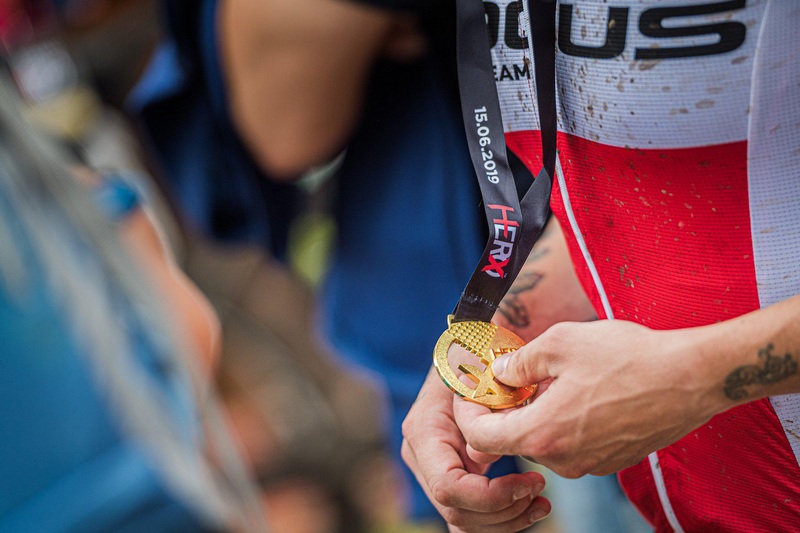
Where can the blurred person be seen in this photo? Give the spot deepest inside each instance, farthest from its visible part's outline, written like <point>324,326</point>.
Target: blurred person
<point>399,120</point>
<point>676,193</point>
<point>107,417</point>
<point>245,95</point>
<point>318,426</point>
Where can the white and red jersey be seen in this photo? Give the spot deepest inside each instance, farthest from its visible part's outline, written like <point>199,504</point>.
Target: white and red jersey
<point>678,187</point>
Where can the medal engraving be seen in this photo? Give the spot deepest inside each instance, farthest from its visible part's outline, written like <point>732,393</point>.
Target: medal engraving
<point>484,379</point>
<point>486,342</point>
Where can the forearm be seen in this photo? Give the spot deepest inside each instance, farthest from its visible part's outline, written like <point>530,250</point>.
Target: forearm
<point>547,290</point>
<point>296,73</point>
<point>750,357</point>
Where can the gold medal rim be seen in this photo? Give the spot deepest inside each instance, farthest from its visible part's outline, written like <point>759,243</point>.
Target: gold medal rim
<point>442,363</point>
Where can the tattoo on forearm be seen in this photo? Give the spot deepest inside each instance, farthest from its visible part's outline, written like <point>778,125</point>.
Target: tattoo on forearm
<point>525,282</point>
<point>512,307</point>
<point>515,312</point>
<point>537,254</point>
<point>771,370</point>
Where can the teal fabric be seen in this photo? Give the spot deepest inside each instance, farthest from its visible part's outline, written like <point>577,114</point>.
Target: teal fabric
<point>65,464</point>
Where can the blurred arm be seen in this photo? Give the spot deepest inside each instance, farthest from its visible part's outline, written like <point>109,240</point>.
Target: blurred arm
<point>183,301</point>
<point>185,304</point>
<point>296,73</point>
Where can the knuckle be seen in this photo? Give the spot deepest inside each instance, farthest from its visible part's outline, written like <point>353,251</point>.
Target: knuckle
<point>405,451</point>
<point>453,516</point>
<point>575,470</point>
<point>478,442</point>
<point>516,363</point>
<point>524,366</point>
<point>411,427</point>
<point>538,454</point>
<point>552,338</point>
<point>601,471</point>
<point>588,467</point>
<point>571,472</point>
<point>555,449</point>
<point>407,428</point>
<point>442,494</point>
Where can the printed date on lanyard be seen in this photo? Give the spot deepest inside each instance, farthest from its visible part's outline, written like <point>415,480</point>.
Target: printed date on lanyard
<point>484,140</point>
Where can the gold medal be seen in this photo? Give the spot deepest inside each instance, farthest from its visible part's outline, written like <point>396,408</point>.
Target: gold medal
<point>485,342</point>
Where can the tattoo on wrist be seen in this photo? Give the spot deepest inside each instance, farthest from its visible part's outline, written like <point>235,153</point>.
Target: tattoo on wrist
<point>512,307</point>
<point>771,370</point>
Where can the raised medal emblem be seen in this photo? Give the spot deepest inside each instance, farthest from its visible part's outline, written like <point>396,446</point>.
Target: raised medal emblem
<point>485,342</point>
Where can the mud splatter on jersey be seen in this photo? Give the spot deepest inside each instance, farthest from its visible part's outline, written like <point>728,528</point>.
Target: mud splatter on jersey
<point>679,147</point>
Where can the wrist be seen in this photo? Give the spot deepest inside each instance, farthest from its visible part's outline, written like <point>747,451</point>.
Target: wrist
<point>741,360</point>
<point>700,372</point>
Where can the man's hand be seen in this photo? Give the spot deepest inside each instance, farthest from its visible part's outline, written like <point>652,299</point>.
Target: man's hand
<point>618,392</point>
<point>437,454</point>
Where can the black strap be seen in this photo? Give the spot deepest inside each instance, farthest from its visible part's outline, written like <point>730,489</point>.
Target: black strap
<point>514,225</point>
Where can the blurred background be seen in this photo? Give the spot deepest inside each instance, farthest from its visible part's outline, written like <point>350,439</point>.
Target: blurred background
<point>300,213</point>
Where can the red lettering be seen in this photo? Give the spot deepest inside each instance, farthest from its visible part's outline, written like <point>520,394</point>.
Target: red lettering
<point>504,222</point>
<point>496,266</point>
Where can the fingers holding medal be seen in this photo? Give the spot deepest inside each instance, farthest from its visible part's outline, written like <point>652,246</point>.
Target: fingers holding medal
<point>484,343</point>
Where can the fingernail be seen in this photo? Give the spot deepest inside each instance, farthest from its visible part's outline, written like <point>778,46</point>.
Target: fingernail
<point>537,515</point>
<point>522,492</point>
<point>538,488</point>
<point>499,366</point>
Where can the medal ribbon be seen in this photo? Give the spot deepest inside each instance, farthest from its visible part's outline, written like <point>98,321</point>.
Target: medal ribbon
<point>514,225</point>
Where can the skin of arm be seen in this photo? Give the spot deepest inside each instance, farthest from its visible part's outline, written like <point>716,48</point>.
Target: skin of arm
<point>192,314</point>
<point>296,73</point>
<point>620,391</point>
<point>450,471</point>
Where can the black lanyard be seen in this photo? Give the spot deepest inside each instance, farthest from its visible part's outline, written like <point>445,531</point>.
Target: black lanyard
<point>514,225</point>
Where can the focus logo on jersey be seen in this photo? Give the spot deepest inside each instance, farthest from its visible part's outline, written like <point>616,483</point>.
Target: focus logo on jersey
<point>655,23</point>
<point>623,65</point>
<point>505,235</point>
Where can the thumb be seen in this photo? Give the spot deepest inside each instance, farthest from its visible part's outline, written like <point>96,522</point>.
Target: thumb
<point>481,458</point>
<point>526,366</point>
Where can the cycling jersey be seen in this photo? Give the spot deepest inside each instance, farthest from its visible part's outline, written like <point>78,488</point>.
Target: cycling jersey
<point>679,140</point>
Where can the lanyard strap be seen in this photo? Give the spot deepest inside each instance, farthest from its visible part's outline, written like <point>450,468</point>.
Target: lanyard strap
<point>514,225</point>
